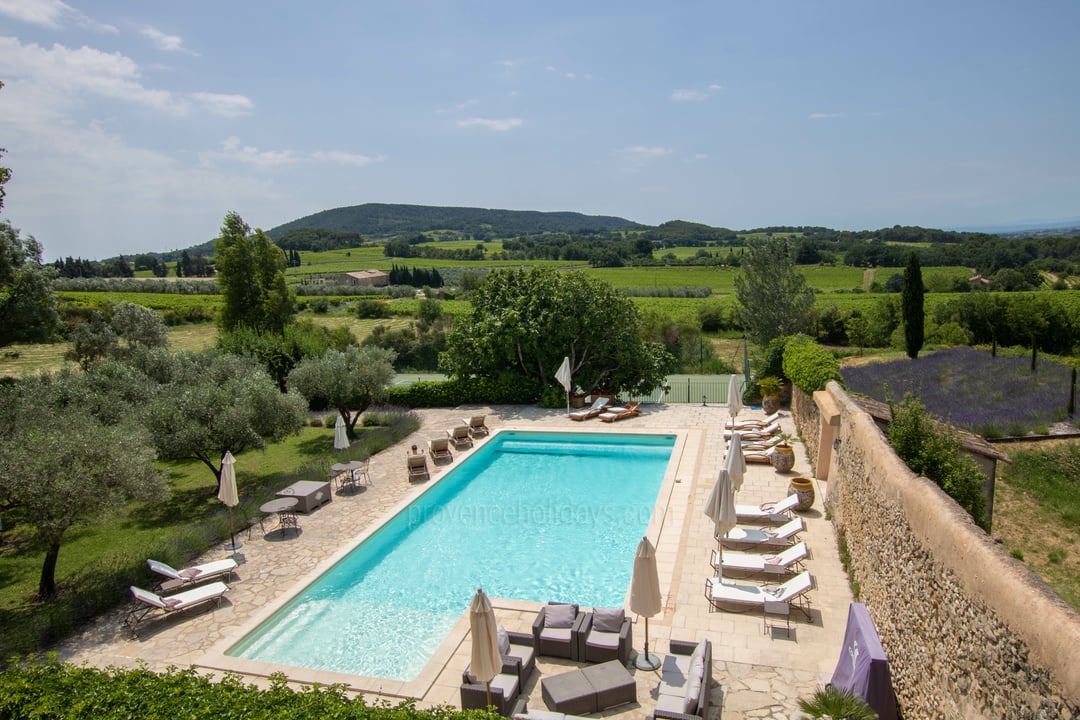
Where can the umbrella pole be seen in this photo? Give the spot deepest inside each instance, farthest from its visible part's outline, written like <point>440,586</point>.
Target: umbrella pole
<point>488,684</point>
<point>233,545</point>
<point>646,661</point>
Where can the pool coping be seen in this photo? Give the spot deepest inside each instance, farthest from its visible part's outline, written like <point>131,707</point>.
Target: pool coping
<point>672,486</point>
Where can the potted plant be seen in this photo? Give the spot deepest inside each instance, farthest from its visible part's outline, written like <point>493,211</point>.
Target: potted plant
<point>770,387</point>
<point>835,704</point>
<point>803,487</point>
<point>782,456</point>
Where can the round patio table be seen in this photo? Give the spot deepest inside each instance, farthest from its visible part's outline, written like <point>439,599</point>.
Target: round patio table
<point>285,509</point>
<point>351,467</point>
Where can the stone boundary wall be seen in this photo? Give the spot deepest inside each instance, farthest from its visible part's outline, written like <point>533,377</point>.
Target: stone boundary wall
<point>808,420</point>
<point>969,631</point>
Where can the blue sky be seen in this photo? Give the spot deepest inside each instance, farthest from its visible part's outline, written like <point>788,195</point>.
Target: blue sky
<point>135,126</point>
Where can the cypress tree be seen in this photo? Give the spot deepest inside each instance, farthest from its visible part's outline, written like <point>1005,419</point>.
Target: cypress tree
<point>912,307</point>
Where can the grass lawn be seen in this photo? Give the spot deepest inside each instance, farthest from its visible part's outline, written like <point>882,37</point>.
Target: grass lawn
<point>99,561</point>
<point>1037,512</point>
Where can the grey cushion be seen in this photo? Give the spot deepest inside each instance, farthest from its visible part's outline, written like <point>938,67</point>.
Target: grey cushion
<point>559,616</point>
<point>604,639</point>
<point>608,619</point>
<point>670,703</point>
<point>508,684</point>
<point>504,641</point>
<point>559,634</point>
<point>673,676</point>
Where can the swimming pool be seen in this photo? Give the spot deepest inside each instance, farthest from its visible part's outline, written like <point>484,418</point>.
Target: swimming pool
<point>528,516</point>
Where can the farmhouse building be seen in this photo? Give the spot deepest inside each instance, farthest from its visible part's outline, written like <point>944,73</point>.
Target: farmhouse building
<point>369,278</point>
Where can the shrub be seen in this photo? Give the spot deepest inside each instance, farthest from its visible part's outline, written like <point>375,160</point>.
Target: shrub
<point>372,309</point>
<point>808,365</point>
<point>936,454</point>
<point>450,393</point>
<point>50,689</point>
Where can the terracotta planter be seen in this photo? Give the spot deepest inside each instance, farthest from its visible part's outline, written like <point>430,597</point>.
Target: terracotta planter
<point>577,400</point>
<point>804,489</point>
<point>782,459</point>
<point>770,404</point>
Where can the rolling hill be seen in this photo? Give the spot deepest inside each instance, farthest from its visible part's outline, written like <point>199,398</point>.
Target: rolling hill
<point>379,220</point>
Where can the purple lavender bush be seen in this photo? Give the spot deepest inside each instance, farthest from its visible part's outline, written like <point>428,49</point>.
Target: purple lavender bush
<point>992,396</point>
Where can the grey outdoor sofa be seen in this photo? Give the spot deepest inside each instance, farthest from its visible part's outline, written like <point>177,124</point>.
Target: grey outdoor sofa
<point>684,686</point>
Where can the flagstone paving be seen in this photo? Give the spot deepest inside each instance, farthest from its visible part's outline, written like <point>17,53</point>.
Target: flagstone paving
<point>756,673</point>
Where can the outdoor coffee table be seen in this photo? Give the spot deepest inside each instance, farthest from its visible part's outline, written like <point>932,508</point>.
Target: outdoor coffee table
<point>569,693</point>
<point>613,684</point>
<point>590,689</point>
<point>309,494</point>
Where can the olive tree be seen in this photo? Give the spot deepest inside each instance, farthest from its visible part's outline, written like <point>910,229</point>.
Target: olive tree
<point>212,402</point>
<point>523,322</point>
<point>349,380</point>
<point>130,328</point>
<point>772,298</point>
<point>27,304</point>
<point>63,465</point>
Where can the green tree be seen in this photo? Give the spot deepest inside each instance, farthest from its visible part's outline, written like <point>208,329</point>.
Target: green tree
<point>212,402</point>
<point>99,337</point>
<point>772,298</point>
<point>251,273</point>
<point>27,304</point>
<point>64,466</point>
<point>911,300</point>
<point>349,380</point>
<point>523,322</point>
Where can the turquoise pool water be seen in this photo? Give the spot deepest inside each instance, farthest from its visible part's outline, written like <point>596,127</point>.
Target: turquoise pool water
<point>528,516</point>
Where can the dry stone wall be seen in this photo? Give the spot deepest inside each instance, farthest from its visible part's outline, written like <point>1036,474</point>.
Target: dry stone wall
<point>807,418</point>
<point>969,631</point>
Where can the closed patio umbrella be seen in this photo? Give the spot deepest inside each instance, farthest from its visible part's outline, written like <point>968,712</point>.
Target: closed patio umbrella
<point>341,438</point>
<point>645,599</point>
<point>734,462</point>
<point>734,399</point>
<point>564,378</point>
<point>485,662</point>
<point>720,507</point>
<point>228,495</point>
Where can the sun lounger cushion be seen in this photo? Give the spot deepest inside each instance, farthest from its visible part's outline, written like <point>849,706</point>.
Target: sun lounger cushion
<point>217,567</point>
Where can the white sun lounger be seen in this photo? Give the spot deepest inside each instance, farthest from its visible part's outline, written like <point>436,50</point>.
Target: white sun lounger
<point>783,536</point>
<point>194,575</point>
<point>744,563</point>
<point>751,424</point>
<point>760,434</point>
<point>147,602</point>
<point>727,595</point>
<point>773,512</point>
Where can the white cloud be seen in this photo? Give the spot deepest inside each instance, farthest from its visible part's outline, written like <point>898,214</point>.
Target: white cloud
<point>223,105</point>
<point>233,151</point>
<point>457,107</point>
<point>498,125</point>
<point>701,156</point>
<point>168,43</point>
<point>50,13</point>
<point>694,94</point>
<point>63,72</point>
<point>338,157</point>
<point>825,116</point>
<point>644,152</point>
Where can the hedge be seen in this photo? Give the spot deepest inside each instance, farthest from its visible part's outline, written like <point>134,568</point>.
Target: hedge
<point>809,366</point>
<point>48,689</point>
<point>451,393</point>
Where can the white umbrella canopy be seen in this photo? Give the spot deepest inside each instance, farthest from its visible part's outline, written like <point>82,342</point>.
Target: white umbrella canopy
<point>734,398</point>
<point>734,462</point>
<point>645,598</point>
<point>341,438</point>
<point>485,662</point>
<point>227,494</point>
<point>564,378</point>
<point>720,507</point>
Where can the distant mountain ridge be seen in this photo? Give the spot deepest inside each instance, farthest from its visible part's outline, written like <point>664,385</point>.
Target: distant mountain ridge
<point>375,220</point>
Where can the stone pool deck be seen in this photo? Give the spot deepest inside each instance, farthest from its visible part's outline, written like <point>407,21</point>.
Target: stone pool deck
<point>756,674</point>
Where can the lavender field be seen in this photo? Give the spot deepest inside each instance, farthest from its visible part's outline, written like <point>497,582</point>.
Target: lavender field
<point>992,396</point>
